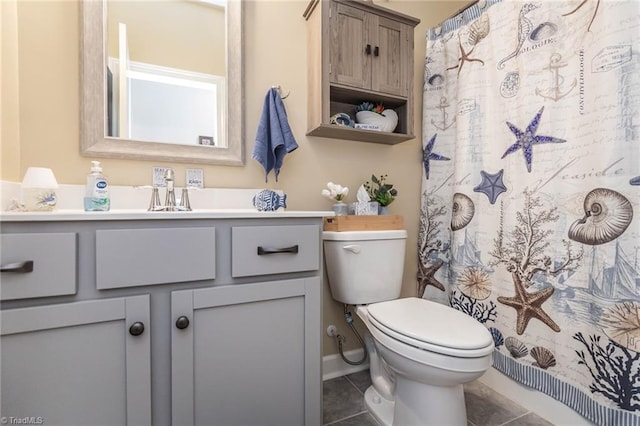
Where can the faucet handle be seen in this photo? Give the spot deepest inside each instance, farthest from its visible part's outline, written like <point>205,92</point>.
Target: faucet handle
<point>169,175</point>
<point>184,200</point>
<point>155,200</point>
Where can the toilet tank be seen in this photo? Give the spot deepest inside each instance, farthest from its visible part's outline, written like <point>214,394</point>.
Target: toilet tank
<point>364,266</point>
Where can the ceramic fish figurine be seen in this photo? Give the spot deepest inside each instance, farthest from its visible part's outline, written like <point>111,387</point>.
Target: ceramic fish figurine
<point>269,201</point>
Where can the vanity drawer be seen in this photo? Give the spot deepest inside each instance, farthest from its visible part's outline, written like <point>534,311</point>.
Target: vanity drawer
<point>261,250</point>
<point>137,257</point>
<point>54,265</point>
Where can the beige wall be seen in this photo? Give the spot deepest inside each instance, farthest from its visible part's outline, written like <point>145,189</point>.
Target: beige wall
<point>9,107</point>
<point>46,131</point>
<point>195,40</point>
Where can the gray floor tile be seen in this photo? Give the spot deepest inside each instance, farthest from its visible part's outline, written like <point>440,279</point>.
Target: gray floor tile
<point>340,399</point>
<point>343,405</point>
<point>361,380</point>
<point>529,419</point>
<point>364,419</point>
<point>485,407</point>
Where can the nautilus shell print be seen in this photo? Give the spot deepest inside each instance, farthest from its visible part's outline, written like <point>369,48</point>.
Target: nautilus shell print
<point>607,215</point>
<point>462,211</point>
<point>474,283</point>
<point>544,357</point>
<point>516,348</point>
<point>621,323</point>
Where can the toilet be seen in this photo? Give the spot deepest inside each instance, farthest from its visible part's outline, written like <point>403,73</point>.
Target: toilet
<point>420,352</point>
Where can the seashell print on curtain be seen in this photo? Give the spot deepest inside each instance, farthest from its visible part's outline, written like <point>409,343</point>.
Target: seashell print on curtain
<point>530,218</point>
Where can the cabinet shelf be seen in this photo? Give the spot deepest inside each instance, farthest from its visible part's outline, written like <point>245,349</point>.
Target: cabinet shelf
<point>359,135</point>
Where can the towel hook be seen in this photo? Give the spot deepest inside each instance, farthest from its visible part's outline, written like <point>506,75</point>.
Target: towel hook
<point>279,89</point>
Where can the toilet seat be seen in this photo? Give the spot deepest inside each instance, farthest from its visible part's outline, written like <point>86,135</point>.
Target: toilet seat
<point>431,326</point>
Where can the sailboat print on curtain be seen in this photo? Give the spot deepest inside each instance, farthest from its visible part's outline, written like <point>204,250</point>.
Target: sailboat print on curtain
<point>530,221</point>
<point>621,280</point>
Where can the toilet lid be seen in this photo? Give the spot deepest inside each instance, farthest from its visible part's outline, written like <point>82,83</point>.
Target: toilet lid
<point>431,323</point>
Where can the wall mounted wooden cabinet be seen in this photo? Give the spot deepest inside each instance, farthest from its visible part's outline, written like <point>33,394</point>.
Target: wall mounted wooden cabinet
<point>358,52</point>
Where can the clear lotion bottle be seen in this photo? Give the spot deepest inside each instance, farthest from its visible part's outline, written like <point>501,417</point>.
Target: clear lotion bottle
<point>96,198</point>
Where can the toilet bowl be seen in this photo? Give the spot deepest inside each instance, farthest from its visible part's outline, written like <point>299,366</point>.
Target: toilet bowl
<point>420,352</point>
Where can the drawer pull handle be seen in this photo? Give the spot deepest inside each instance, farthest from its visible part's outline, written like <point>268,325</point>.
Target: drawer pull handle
<point>136,329</point>
<point>182,322</point>
<point>270,250</point>
<point>20,267</point>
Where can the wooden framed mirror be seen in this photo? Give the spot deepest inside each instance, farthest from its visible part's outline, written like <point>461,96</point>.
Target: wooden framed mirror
<point>97,138</point>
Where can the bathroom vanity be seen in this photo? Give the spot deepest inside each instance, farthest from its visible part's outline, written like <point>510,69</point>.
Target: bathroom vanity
<point>210,317</point>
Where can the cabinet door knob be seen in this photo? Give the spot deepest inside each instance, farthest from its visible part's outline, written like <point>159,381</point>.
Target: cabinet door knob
<point>20,267</point>
<point>376,51</point>
<point>182,322</point>
<point>136,329</point>
<point>367,49</point>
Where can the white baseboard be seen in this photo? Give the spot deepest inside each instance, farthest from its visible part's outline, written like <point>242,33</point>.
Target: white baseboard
<point>537,402</point>
<point>333,366</point>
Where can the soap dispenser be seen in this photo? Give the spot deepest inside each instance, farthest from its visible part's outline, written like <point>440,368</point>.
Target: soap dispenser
<point>96,197</point>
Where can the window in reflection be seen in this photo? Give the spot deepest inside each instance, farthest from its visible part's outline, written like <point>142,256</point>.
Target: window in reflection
<point>166,105</point>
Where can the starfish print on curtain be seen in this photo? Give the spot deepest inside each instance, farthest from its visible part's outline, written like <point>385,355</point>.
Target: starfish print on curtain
<point>428,154</point>
<point>528,138</point>
<point>426,277</point>
<point>465,56</point>
<point>491,185</point>
<point>529,305</point>
<point>595,12</point>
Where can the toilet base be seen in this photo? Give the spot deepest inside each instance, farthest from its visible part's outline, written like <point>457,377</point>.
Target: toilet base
<point>381,409</point>
<point>418,404</point>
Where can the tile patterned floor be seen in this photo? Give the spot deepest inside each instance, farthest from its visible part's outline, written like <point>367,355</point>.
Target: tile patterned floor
<point>343,405</point>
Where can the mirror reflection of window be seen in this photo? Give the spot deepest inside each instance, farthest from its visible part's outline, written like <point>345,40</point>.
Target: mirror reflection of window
<point>166,68</point>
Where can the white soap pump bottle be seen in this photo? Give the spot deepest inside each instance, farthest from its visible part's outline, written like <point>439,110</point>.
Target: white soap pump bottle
<point>96,197</point>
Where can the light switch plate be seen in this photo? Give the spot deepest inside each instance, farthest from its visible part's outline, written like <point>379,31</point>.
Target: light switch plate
<point>195,178</point>
<point>158,177</point>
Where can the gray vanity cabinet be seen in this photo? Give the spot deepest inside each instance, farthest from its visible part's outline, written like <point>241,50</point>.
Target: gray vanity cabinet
<point>162,321</point>
<point>246,355</point>
<point>82,363</point>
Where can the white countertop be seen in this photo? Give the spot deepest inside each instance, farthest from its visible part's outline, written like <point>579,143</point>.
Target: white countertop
<point>130,203</point>
<point>80,215</point>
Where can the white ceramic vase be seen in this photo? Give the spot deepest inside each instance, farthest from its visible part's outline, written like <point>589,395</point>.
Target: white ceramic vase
<point>387,121</point>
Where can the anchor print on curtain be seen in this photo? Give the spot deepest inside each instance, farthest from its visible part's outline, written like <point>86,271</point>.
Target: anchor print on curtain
<point>530,217</point>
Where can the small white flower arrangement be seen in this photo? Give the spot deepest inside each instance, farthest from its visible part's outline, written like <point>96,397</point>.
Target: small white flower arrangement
<point>335,192</point>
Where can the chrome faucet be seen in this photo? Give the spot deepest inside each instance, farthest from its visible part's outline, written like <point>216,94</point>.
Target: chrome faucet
<point>170,197</point>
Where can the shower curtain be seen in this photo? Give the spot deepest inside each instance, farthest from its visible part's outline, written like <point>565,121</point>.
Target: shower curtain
<point>530,217</point>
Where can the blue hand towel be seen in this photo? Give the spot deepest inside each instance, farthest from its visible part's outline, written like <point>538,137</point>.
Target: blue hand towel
<point>274,138</point>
